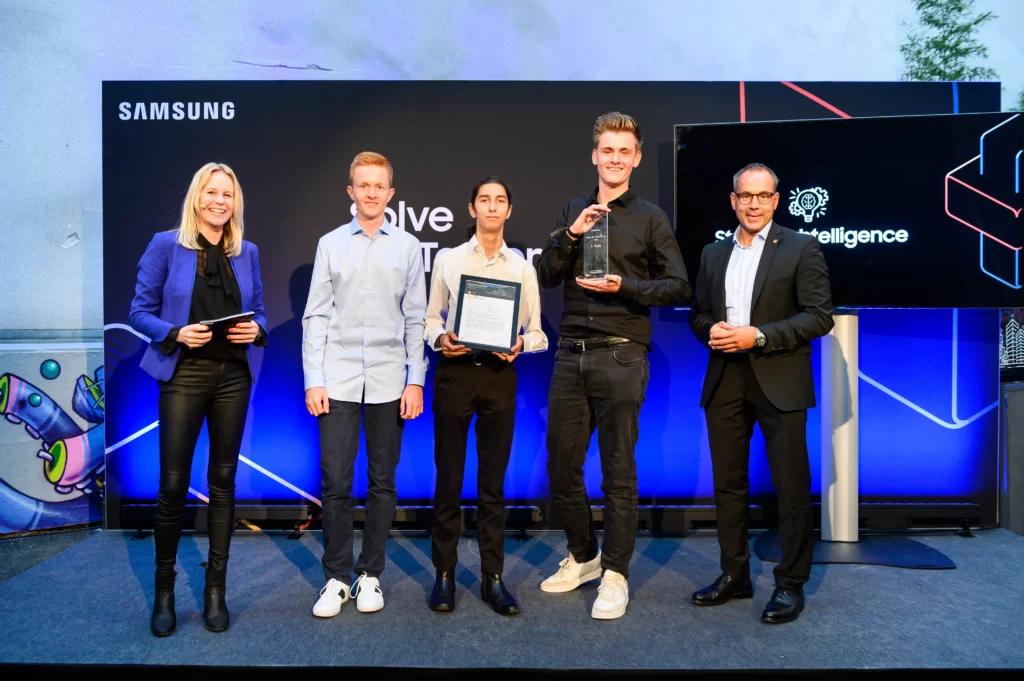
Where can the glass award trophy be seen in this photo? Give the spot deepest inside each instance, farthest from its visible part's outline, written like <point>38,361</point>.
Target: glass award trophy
<point>595,250</point>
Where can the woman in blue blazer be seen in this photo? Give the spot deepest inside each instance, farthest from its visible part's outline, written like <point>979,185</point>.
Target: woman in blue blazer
<point>202,271</point>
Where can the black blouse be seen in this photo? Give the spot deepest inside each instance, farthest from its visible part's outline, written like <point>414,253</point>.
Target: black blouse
<point>215,294</point>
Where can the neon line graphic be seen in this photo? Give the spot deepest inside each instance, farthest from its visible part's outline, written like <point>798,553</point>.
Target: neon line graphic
<point>816,99</point>
<point>249,462</point>
<point>990,198</point>
<point>743,103</point>
<point>206,500</point>
<point>949,176</point>
<point>127,328</point>
<point>956,98</point>
<point>981,142</point>
<point>1016,177</point>
<point>981,263</point>
<point>282,481</point>
<point>134,436</point>
<point>957,423</point>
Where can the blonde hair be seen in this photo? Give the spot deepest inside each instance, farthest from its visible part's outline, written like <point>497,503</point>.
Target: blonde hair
<point>370,158</point>
<point>188,231</point>
<point>617,122</point>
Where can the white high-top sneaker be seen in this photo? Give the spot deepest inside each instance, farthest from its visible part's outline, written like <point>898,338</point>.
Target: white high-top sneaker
<point>612,597</point>
<point>332,597</point>
<point>366,591</point>
<point>571,574</point>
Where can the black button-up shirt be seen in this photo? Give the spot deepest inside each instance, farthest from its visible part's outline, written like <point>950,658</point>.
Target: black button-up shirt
<point>641,249</point>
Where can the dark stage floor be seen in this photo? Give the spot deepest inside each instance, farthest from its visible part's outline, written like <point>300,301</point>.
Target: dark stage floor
<point>85,599</point>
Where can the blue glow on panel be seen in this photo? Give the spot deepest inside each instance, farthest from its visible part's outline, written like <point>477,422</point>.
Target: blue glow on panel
<point>956,98</point>
<point>928,398</point>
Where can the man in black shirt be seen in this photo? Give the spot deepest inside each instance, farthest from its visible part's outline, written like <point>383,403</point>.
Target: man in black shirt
<point>601,371</point>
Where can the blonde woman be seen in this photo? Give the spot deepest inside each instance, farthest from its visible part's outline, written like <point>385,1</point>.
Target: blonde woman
<point>201,271</point>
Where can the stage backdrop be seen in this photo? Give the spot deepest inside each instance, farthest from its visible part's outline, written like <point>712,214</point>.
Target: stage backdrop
<point>929,378</point>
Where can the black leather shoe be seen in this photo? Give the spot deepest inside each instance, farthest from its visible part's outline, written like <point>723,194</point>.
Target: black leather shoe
<point>442,597</point>
<point>215,609</point>
<point>784,606</point>
<point>723,590</point>
<point>163,621</point>
<point>494,592</point>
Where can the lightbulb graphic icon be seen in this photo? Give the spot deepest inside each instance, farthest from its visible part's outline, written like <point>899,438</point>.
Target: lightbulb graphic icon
<point>808,203</point>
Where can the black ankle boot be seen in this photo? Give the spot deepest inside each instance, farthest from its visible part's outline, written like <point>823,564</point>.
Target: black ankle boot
<point>215,609</point>
<point>163,621</point>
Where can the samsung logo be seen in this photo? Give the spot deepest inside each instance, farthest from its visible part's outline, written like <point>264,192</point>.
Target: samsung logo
<point>176,111</point>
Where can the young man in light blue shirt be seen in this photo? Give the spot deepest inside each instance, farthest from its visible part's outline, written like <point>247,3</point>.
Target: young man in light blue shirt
<point>362,360</point>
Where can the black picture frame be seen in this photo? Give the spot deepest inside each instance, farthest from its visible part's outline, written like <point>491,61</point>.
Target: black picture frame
<point>463,280</point>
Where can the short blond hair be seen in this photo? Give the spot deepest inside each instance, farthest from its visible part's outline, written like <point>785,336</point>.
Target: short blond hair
<point>370,158</point>
<point>188,230</point>
<point>614,121</point>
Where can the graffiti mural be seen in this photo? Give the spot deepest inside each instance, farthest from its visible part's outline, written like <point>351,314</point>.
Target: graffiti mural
<point>51,458</point>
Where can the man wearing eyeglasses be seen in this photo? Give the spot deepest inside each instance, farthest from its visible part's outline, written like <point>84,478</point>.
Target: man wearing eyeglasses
<point>759,301</point>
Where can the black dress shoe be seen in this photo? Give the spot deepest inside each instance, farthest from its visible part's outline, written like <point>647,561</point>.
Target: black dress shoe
<point>442,597</point>
<point>215,609</point>
<point>784,606</point>
<point>724,589</point>
<point>494,592</point>
<point>163,621</point>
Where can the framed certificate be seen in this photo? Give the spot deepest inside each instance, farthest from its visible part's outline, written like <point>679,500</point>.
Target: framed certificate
<point>488,315</point>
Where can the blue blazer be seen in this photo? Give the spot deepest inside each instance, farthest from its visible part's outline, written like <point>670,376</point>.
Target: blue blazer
<point>163,297</point>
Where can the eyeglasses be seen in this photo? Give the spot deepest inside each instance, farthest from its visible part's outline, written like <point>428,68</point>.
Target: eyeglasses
<point>746,197</point>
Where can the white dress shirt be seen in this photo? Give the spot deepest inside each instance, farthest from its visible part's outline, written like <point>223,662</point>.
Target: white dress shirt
<point>469,258</point>
<point>362,332</point>
<point>739,276</point>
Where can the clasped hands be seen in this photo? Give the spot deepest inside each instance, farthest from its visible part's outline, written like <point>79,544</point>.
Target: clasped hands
<point>728,338</point>
<point>198,335</point>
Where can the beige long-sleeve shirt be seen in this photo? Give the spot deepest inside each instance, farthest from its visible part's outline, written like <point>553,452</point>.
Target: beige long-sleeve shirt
<point>506,265</point>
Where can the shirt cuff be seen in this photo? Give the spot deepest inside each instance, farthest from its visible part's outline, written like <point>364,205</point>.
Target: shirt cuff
<point>314,378</point>
<point>629,288</point>
<point>416,374</point>
<point>432,334</point>
<point>170,344</point>
<point>569,241</point>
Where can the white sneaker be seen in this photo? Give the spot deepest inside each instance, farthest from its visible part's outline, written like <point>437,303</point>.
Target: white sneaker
<point>571,574</point>
<point>332,596</point>
<point>366,591</point>
<point>612,597</point>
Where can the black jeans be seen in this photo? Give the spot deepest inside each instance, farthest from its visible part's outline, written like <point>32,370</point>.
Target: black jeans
<point>339,444</point>
<point>736,404</point>
<point>603,390</point>
<point>462,389</point>
<point>217,391</point>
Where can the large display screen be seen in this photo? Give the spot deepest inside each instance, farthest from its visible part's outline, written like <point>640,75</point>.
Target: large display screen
<point>910,211</point>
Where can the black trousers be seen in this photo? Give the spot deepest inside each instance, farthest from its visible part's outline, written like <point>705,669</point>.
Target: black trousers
<point>464,388</point>
<point>339,444</point>
<point>217,392</point>
<point>736,404</point>
<point>599,390</point>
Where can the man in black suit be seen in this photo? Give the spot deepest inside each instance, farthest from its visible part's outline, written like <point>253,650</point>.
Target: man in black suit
<point>760,298</point>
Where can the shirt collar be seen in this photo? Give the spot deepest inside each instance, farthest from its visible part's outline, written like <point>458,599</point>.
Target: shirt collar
<point>762,235</point>
<point>625,200</point>
<point>354,228</point>
<point>474,246</point>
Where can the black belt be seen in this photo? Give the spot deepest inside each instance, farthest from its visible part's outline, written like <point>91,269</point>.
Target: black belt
<point>587,344</point>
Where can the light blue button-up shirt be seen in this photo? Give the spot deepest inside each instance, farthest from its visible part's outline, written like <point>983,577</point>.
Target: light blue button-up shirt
<point>362,332</point>
<point>739,277</point>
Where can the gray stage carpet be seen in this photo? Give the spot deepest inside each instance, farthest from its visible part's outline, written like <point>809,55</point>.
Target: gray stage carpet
<point>89,603</point>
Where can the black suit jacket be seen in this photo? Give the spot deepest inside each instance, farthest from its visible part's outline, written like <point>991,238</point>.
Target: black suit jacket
<point>791,304</point>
